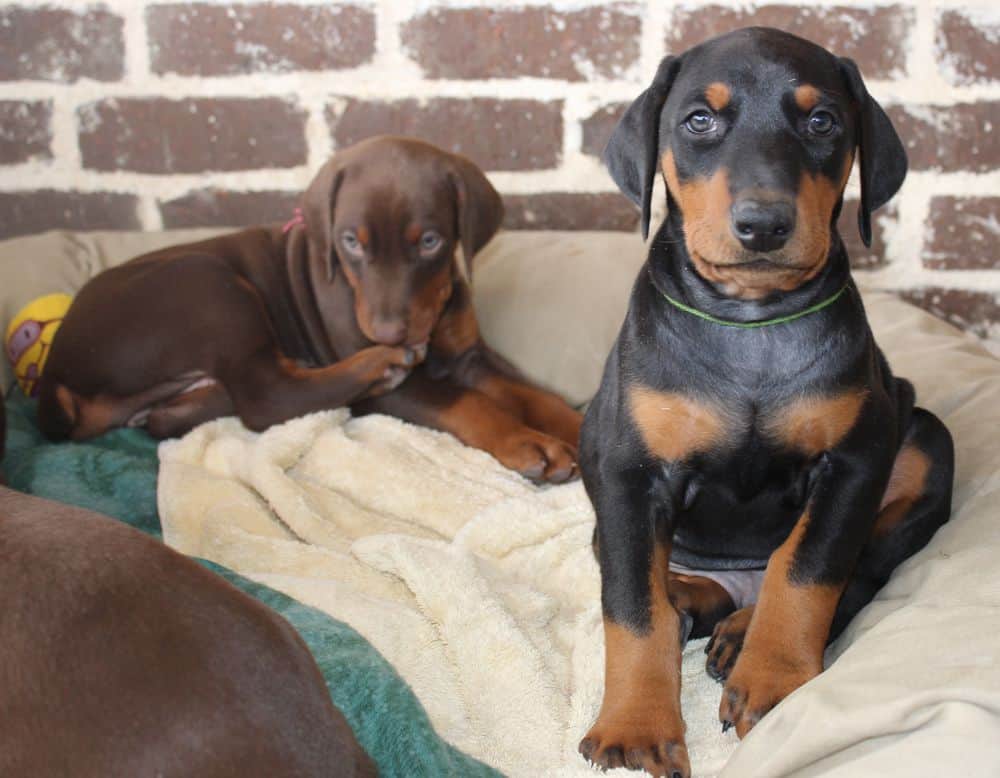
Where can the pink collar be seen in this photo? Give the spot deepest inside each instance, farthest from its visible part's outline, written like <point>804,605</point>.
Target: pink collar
<point>295,221</point>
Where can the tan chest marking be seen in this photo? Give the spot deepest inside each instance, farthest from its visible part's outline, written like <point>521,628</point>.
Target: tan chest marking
<point>673,426</point>
<point>813,425</point>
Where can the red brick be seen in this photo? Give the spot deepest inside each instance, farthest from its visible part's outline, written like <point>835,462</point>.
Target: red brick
<point>963,233</point>
<point>539,41</point>
<point>597,128</point>
<point>967,44</point>
<point>978,312</point>
<point>48,44</point>
<point>153,135</point>
<point>570,211</point>
<point>874,37</point>
<point>24,131</point>
<point>198,39</point>
<point>950,137</point>
<point>23,213</point>
<point>495,134</point>
<point>222,208</point>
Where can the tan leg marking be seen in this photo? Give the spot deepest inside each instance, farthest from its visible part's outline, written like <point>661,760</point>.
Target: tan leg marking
<point>906,485</point>
<point>640,724</point>
<point>784,642</point>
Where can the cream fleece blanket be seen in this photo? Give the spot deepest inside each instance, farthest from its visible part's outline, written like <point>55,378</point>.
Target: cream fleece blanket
<point>479,587</point>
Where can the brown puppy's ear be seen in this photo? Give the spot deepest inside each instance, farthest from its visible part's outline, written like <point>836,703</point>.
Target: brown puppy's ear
<point>883,157</point>
<point>479,207</point>
<point>317,209</point>
<point>633,152</point>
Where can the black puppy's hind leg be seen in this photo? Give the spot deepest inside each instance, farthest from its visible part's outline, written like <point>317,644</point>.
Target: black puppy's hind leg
<point>916,504</point>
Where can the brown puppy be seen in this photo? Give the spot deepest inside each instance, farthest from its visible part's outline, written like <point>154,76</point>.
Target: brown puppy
<point>360,294</point>
<point>119,656</point>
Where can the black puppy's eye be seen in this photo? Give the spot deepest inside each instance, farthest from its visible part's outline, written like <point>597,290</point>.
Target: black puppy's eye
<point>822,123</point>
<point>350,242</point>
<point>430,242</point>
<point>700,122</point>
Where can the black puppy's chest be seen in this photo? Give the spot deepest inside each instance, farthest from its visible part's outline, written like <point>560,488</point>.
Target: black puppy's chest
<point>733,430</point>
<point>735,503</point>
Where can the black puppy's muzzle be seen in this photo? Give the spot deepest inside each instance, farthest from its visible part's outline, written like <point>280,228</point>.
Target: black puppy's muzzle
<point>762,226</point>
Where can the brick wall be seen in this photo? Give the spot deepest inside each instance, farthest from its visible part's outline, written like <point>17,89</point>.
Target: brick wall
<point>148,114</point>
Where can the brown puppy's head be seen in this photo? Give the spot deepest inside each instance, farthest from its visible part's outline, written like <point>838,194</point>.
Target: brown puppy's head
<point>389,213</point>
<point>755,133</point>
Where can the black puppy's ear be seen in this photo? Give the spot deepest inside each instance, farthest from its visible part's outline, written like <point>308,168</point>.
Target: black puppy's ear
<point>479,207</point>
<point>883,157</point>
<point>317,209</point>
<point>632,153</point>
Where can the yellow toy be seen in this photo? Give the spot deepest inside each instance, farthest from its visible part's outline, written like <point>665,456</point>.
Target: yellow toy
<point>29,337</point>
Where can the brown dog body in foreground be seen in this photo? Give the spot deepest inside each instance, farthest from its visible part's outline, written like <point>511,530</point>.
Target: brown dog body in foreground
<point>119,656</point>
<point>362,302</point>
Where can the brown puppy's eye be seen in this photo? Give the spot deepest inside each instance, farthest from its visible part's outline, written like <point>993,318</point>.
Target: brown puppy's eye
<point>700,122</point>
<point>349,240</point>
<point>822,123</point>
<point>430,242</point>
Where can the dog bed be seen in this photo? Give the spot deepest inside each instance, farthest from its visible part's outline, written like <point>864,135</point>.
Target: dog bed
<point>480,588</point>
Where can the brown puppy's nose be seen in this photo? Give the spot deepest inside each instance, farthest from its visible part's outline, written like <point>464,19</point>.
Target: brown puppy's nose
<point>389,332</point>
<point>763,226</point>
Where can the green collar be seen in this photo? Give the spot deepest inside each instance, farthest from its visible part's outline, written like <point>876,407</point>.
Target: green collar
<point>750,325</point>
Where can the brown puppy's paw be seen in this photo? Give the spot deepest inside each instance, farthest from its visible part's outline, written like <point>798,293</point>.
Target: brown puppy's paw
<point>726,643</point>
<point>757,684</point>
<point>538,456</point>
<point>384,368</point>
<point>660,751</point>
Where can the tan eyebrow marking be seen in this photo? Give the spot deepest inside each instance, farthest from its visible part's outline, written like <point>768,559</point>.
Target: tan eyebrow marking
<point>807,97</point>
<point>718,95</point>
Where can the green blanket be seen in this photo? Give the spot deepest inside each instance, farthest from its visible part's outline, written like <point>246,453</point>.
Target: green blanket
<point>116,475</point>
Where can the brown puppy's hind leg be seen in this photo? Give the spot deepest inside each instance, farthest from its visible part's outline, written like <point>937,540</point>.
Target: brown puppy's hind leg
<point>184,412</point>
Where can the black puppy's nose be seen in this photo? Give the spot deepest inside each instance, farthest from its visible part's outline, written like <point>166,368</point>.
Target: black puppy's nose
<point>389,332</point>
<point>763,226</point>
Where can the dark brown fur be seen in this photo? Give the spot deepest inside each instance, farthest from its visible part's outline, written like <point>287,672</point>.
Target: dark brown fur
<point>119,656</point>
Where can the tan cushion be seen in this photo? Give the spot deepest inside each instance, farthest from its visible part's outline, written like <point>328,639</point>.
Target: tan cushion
<point>59,261</point>
<point>553,302</point>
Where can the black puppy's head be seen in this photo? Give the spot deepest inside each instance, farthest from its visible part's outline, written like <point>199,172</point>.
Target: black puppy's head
<point>755,133</point>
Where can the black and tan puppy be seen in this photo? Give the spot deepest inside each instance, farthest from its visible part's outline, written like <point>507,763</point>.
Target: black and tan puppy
<point>755,467</point>
<point>359,302</point>
<point>119,656</point>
